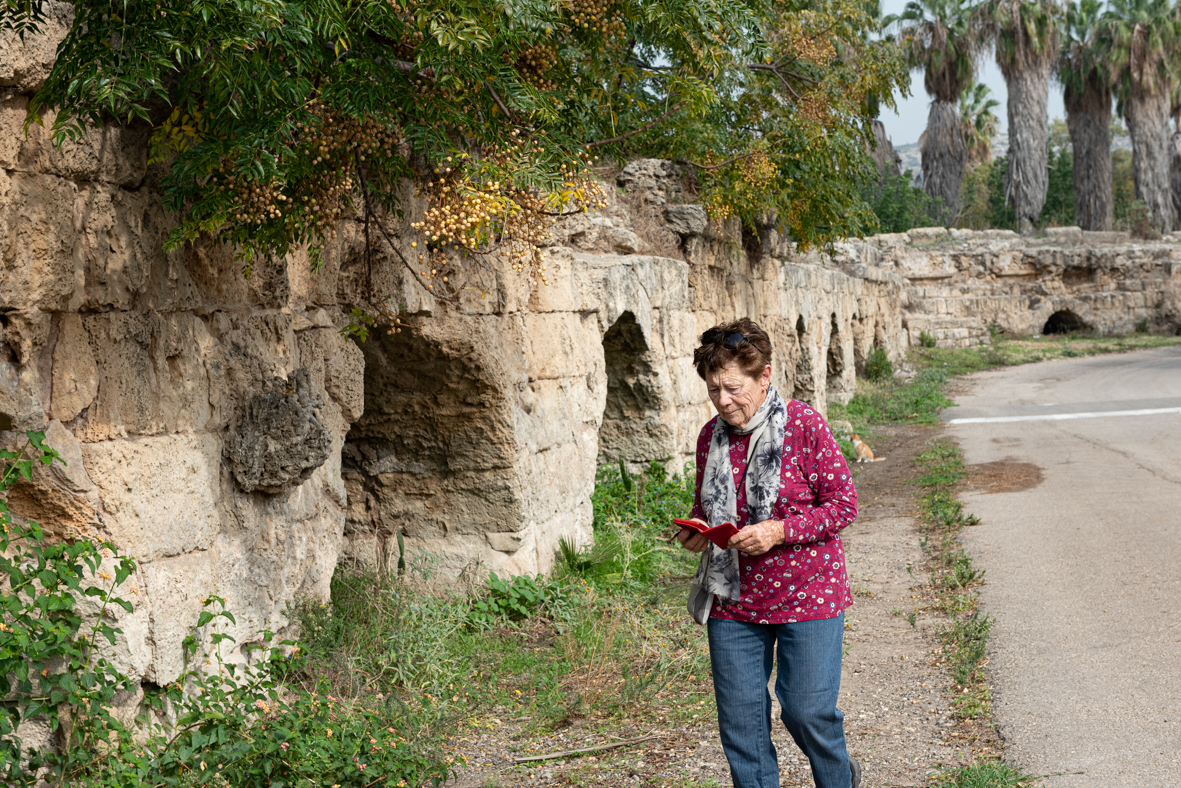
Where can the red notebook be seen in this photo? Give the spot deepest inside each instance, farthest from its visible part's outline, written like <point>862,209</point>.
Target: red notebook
<point>719,534</point>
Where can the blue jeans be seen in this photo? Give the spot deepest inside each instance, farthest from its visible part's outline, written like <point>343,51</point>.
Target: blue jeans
<point>808,686</point>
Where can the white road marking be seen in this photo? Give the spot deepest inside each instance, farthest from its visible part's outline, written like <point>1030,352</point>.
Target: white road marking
<point>1064,416</point>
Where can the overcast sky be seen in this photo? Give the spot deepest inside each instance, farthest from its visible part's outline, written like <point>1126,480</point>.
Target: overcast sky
<point>905,126</point>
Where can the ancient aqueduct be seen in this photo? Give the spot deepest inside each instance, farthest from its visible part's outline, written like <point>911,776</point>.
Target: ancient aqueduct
<point>225,432</point>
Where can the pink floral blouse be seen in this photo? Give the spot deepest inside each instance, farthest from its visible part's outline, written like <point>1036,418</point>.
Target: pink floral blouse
<point>805,578</point>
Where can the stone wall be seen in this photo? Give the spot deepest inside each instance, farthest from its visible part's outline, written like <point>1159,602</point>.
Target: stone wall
<point>484,425</point>
<point>960,282</point>
<point>223,431</point>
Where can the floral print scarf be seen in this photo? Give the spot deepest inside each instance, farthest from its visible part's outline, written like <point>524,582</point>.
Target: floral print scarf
<point>717,573</point>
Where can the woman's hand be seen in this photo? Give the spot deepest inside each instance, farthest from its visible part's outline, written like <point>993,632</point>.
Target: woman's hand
<point>693,541</point>
<point>758,538</point>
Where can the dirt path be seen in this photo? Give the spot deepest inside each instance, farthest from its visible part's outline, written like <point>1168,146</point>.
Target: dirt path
<point>894,695</point>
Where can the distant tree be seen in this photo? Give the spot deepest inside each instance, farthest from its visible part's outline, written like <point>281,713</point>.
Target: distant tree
<point>978,121</point>
<point>1141,37</point>
<point>1059,210</point>
<point>1025,35</point>
<point>899,205</point>
<point>937,38</point>
<point>1086,92</point>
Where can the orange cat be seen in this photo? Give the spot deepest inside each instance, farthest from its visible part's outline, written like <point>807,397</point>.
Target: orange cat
<point>864,453</point>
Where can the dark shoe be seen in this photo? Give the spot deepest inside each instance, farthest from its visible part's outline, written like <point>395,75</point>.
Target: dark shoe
<point>856,769</point>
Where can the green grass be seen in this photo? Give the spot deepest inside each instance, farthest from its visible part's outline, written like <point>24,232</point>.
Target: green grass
<point>604,637</point>
<point>984,773</point>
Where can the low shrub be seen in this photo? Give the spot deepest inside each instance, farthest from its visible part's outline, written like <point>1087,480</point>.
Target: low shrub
<point>219,724</point>
<point>878,366</point>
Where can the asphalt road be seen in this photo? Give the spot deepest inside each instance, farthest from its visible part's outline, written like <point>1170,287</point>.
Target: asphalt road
<point>1083,569</point>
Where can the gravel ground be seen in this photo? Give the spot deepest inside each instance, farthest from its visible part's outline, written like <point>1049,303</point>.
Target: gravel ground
<point>894,693</point>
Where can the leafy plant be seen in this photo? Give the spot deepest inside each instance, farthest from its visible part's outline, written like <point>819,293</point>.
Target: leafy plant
<point>878,366</point>
<point>51,666</point>
<point>926,339</point>
<point>508,599</point>
<point>220,723</point>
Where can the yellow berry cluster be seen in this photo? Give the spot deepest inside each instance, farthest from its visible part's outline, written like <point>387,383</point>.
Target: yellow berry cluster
<point>595,15</point>
<point>473,206</point>
<point>534,63</point>
<point>329,142</point>
<point>412,36</point>
<point>815,107</point>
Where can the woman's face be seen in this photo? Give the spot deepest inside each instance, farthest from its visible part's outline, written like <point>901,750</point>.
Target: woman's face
<point>736,395</point>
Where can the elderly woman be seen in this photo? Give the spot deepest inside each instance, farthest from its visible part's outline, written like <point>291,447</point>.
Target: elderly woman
<point>772,468</point>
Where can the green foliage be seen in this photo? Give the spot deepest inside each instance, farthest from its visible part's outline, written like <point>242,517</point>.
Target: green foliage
<point>508,599</point>
<point>926,339</point>
<point>54,616</point>
<point>979,122</point>
<point>984,773</point>
<point>275,119</point>
<point>918,400</point>
<point>898,205</point>
<point>1059,208</point>
<point>1123,189</point>
<point>220,723</point>
<point>938,37</point>
<point>878,366</point>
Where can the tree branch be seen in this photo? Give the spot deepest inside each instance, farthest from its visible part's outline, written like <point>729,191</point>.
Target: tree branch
<point>633,133</point>
<point>717,166</point>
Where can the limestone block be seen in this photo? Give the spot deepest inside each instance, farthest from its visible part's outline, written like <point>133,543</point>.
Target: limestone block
<point>38,263</point>
<point>161,493</point>
<point>60,497</point>
<point>559,345</point>
<point>25,64</point>
<point>175,587</point>
<point>219,281</point>
<point>339,364</point>
<point>279,439</point>
<point>122,237</point>
<point>923,236</point>
<point>75,373</point>
<point>180,342</point>
<point>126,403</point>
<point>1064,235</point>
<point>20,394</point>
<point>505,542</point>
<point>561,294</point>
<point>686,220</point>
<point>622,240</point>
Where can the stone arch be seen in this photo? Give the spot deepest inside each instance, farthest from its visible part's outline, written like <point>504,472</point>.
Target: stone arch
<point>1065,321</point>
<point>834,360</point>
<point>432,456</point>
<point>635,426</point>
<point>804,382</point>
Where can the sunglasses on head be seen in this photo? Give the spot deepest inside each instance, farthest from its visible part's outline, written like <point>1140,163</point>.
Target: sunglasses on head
<point>730,339</point>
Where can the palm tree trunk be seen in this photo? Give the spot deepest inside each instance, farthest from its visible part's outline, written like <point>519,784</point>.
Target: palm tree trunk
<point>1175,176</point>
<point>1088,116</point>
<point>1148,125</point>
<point>1027,176</point>
<point>944,153</point>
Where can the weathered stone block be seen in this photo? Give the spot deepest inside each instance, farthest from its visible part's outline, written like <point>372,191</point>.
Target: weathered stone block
<point>161,494</point>
<point>75,373</point>
<point>279,439</point>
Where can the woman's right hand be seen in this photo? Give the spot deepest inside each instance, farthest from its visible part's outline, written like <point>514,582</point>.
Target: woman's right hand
<point>693,541</point>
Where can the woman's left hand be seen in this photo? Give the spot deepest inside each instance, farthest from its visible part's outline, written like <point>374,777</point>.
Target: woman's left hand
<point>758,538</point>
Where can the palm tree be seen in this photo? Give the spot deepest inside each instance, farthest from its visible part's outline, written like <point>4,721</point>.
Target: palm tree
<point>937,37</point>
<point>1141,37</point>
<point>978,122</point>
<point>1086,92</point>
<point>1025,34</point>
